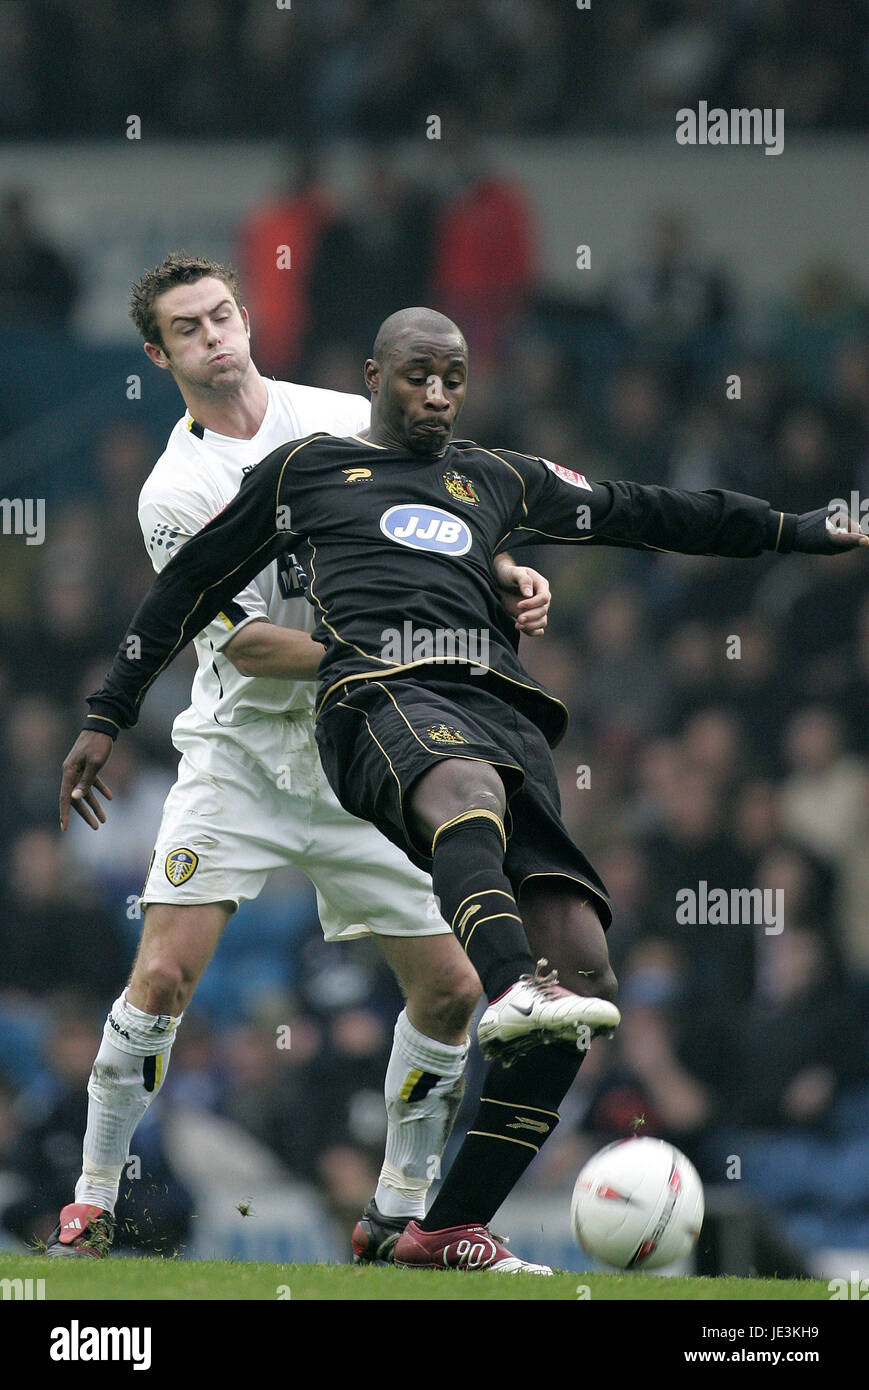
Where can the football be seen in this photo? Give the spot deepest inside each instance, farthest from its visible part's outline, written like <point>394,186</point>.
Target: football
<point>638,1204</point>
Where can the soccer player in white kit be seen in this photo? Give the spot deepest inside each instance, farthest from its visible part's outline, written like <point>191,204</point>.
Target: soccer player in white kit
<point>251,795</point>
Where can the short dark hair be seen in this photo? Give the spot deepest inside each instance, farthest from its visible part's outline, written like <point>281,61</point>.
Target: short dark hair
<point>179,268</point>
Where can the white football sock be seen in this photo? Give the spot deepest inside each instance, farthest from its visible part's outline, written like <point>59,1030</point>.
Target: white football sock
<point>425,1082</point>
<point>127,1073</point>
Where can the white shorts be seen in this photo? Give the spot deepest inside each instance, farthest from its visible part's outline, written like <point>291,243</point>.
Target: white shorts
<point>256,799</point>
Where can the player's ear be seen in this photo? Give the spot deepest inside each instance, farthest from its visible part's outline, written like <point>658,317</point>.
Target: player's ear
<point>157,355</point>
<point>372,375</point>
<point>246,316</point>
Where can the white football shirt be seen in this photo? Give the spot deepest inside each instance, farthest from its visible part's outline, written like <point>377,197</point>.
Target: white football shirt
<point>194,478</point>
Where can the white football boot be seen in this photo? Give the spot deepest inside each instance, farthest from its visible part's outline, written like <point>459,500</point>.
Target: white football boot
<point>537,1009</point>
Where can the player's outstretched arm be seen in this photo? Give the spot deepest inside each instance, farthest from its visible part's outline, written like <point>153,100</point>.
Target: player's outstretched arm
<point>81,780</point>
<point>525,594</point>
<point>560,505</point>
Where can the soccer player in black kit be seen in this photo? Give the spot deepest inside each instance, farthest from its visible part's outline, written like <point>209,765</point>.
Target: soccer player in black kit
<point>443,739</point>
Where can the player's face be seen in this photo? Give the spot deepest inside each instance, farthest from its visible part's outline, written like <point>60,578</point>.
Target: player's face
<point>205,336</point>
<point>419,391</point>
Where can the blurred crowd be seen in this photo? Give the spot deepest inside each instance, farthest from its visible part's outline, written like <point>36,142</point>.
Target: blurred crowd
<point>719,709</point>
<point>380,67</point>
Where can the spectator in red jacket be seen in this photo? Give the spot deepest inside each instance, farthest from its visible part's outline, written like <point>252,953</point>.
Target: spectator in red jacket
<point>277,245</point>
<point>484,257</point>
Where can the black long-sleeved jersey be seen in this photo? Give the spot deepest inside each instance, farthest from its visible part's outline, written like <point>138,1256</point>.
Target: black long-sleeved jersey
<point>403,543</point>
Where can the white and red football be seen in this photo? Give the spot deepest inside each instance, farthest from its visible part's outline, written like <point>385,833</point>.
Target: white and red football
<point>638,1204</point>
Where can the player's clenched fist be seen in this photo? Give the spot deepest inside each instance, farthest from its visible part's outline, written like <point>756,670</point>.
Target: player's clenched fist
<point>525,594</point>
<point>81,779</point>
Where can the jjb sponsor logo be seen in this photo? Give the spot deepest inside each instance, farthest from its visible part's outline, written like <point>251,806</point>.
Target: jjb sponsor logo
<point>426,528</point>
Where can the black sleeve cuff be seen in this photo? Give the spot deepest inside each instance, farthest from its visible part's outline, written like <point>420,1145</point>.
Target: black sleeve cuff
<point>101,724</point>
<point>781,527</point>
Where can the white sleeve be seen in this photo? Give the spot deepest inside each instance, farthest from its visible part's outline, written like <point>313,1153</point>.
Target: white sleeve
<point>165,528</point>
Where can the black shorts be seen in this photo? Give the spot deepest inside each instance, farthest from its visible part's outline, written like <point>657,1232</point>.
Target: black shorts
<point>378,740</point>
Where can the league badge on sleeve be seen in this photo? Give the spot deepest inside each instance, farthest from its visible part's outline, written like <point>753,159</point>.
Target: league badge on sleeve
<point>568,475</point>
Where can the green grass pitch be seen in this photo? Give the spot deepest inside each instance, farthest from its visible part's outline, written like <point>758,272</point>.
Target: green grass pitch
<point>206,1280</point>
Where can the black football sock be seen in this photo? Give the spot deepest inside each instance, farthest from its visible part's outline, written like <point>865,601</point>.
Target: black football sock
<point>517,1113</point>
<point>476,899</point>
